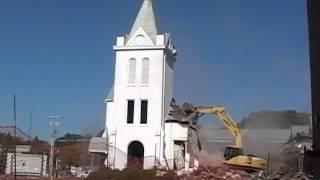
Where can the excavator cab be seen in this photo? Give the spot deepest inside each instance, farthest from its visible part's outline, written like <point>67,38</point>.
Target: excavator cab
<point>231,152</point>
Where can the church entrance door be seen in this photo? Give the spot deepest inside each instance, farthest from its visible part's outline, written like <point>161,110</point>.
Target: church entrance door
<point>135,155</point>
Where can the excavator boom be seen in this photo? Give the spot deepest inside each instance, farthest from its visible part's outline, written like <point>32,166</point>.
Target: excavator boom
<point>225,118</point>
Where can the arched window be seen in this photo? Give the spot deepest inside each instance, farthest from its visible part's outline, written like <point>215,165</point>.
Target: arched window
<point>145,71</point>
<point>132,71</point>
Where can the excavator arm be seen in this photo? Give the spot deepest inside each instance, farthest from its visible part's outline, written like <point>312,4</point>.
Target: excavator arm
<point>233,155</point>
<point>225,118</point>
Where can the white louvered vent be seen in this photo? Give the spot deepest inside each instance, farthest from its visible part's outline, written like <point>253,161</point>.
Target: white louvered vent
<point>145,71</point>
<point>132,71</point>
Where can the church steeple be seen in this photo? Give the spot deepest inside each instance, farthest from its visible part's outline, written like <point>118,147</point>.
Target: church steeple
<point>138,105</point>
<point>146,20</point>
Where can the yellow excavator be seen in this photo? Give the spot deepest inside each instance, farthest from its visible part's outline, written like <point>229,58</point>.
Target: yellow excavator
<point>233,155</point>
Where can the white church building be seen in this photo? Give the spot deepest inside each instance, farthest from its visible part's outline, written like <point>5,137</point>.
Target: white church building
<point>139,132</point>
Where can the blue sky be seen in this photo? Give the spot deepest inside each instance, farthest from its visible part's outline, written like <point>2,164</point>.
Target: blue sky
<point>56,55</point>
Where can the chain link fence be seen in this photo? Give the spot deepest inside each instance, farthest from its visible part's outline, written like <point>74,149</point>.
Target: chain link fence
<point>23,165</point>
<point>27,164</point>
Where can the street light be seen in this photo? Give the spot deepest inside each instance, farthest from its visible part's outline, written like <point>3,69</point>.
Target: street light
<point>54,123</point>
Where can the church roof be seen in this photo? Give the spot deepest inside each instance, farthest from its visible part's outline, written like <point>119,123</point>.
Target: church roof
<point>110,94</point>
<point>146,20</point>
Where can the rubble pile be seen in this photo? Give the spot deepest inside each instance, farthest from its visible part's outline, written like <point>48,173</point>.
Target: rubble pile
<point>218,173</point>
<point>285,174</point>
<point>223,173</point>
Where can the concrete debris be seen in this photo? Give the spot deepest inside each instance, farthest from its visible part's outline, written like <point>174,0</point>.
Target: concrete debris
<point>216,173</point>
<point>223,173</point>
<point>184,115</point>
<point>286,174</point>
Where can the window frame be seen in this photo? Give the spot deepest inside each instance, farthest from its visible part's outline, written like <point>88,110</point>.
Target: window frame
<point>129,120</point>
<point>144,113</point>
<point>132,71</point>
<point>145,71</point>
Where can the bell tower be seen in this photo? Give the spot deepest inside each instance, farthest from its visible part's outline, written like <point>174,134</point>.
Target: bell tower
<point>138,103</point>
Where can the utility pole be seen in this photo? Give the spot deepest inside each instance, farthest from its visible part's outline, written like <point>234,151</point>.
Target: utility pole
<point>312,157</point>
<point>54,123</point>
<point>51,156</point>
<point>15,136</point>
<point>30,125</point>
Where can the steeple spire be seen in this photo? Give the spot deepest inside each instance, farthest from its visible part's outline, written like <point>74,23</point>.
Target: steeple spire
<point>146,20</point>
